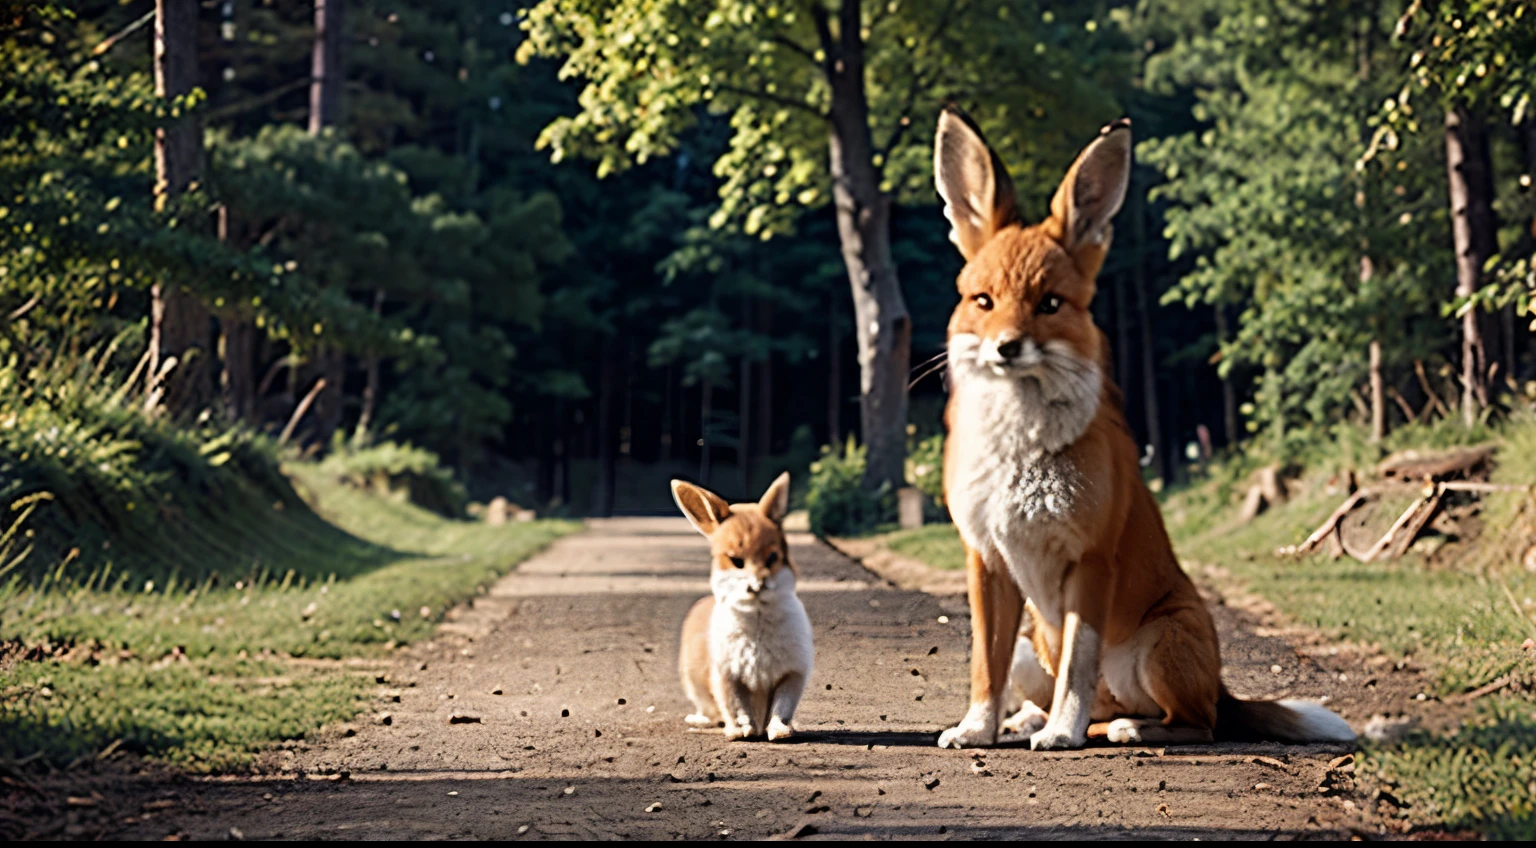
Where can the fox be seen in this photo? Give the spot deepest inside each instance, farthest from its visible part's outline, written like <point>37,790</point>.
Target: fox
<point>746,652</point>
<point>1079,606</point>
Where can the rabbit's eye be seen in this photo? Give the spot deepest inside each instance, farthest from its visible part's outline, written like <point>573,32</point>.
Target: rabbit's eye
<point>738,562</point>
<point>773,559</point>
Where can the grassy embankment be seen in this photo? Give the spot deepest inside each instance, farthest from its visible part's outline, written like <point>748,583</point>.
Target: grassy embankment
<point>169,593</point>
<point>1463,614</point>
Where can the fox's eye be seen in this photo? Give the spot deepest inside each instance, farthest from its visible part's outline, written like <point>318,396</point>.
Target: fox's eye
<point>984,301</point>
<point>773,559</point>
<point>1049,305</point>
<point>738,562</point>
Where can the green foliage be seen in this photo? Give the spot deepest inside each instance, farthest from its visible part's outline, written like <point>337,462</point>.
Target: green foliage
<point>925,466</point>
<point>650,69</point>
<point>1481,777</point>
<point>122,498</point>
<point>398,469</point>
<point>836,499</point>
<point>1319,251</point>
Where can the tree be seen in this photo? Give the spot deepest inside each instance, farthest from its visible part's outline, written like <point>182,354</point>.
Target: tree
<point>828,104</point>
<point>179,346</point>
<point>1476,59</point>
<point>1273,198</point>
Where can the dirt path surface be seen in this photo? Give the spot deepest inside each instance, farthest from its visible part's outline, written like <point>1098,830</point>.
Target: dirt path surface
<point>586,739</point>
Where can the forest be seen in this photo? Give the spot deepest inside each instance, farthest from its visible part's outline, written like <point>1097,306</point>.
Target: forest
<point>556,246</point>
<point>536,258</point>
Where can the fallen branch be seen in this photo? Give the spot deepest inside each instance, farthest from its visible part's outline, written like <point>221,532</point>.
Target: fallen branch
<point>1328,525</point>
<point>1429,506</point>
<point>298,411</point>
<point>1485,689</point>
<point>1434,399</point>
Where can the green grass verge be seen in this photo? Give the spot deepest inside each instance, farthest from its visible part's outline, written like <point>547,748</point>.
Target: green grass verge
<point>938,545</point>
<point>1464,622</point>
<point>1465,625</point>
<point>199,675</point>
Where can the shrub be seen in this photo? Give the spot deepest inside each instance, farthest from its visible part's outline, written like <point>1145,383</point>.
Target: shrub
<point>925,466</point>
<point>400,471</point>
<point>836,499</point>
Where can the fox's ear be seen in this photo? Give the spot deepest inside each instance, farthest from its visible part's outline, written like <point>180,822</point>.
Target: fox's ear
<point>978,195</point>
<point>775,501</point>
<point>1092,193</point>
<point>704,509</point>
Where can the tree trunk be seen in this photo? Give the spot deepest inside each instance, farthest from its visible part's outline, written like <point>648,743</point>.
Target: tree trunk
<point>1228,389</point>
<point>179,323</point>
<point>1378,395</point>
<point>765,382</point>
<point>326,73</point>
<point>834,374</point>
<point>324,108</point>
<point>883,326</point>
<point>1378,385</point>
<point>371,387</point>
<point>1472,225</point>
<point>1148,353</point>
<point>602,494</point>
<point>744,411</point>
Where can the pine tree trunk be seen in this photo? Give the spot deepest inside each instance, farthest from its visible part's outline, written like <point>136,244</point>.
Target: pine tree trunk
<point>834,374</point>
<point>324,109</point>
<point>179,323</point>
<point>765,382</point>
<point>744,411</point>
<point>883,326</point>
<point>1148,352</point>
<point>602,495</point>
<point>1470,175</point>
<point>371,387</point>
<point>1378,395</point>
<point>325,68</point>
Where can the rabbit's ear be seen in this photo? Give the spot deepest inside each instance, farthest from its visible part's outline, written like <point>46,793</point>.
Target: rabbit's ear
<point>775,501</point>
<point>704,509</point>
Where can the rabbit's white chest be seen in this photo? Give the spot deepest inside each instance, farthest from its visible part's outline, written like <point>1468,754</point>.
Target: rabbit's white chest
<point>758,644</point>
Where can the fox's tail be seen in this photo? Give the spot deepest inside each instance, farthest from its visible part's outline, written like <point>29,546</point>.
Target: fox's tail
<point>1278,721</point>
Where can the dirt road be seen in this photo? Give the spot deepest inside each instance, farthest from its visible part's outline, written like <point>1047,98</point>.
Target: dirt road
<point>552,709</point>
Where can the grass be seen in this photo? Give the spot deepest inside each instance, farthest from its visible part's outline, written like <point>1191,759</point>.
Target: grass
<point>938,545</point>
<point>1465,623</point>
<point>202,675</point>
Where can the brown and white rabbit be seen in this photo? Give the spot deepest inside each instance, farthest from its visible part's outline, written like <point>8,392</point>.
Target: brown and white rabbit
<point>746,653</point>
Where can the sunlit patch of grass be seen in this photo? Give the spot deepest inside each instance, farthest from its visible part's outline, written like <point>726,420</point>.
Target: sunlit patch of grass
<point>1465,622</point>
<point>938,545</point>
<point>198,675</point>
<point>1483,777</point>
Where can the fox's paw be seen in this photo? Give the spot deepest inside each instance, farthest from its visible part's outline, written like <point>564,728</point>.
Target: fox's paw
<point>1026,721</point>
<point>734,730</point>
<point>779,730</point>
<point>969,734</point>
<point>700,720</point>
<point>1123,730</point>
<point>1051,738</point>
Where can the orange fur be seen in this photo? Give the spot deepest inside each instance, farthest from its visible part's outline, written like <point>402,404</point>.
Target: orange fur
<point>1109,574</point>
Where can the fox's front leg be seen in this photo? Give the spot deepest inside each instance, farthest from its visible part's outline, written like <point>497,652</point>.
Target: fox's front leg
<point>1077,674</point>
<point>995,609</point>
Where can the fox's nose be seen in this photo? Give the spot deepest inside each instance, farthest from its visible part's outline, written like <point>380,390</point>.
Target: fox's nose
<point>1010,349</point>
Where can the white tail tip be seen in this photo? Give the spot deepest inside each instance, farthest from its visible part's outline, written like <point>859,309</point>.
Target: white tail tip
<point>1320,723</point>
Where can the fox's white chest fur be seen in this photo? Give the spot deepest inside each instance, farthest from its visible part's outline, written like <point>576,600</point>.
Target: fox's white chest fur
<point>1013,492</point>
<point>759,639</point>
